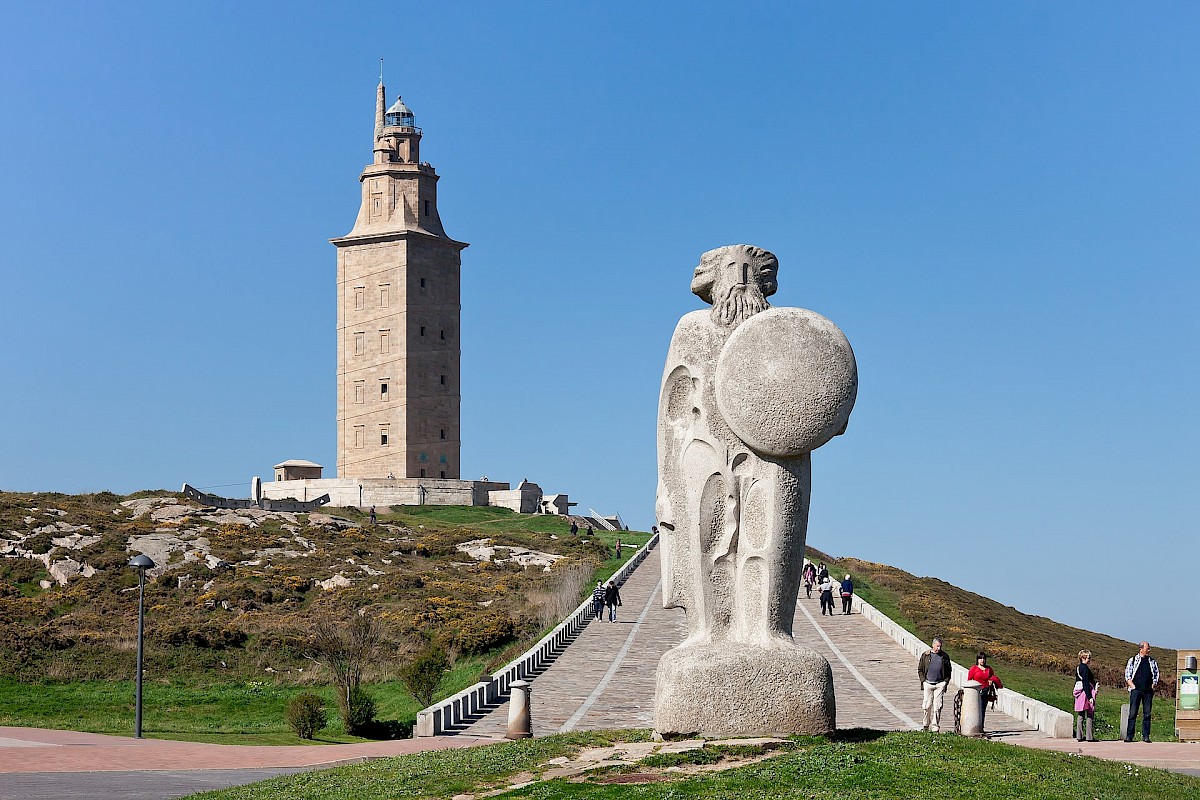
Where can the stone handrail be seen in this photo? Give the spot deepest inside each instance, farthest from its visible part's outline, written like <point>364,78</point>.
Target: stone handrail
<point>455,711</point>
<point>1054,722</point>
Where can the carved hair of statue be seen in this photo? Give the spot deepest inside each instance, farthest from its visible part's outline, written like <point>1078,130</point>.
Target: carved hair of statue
<point>736,281</point>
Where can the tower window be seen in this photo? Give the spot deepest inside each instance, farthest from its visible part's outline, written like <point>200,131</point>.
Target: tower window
<point>443,433</point>
<point>383,295</point>
<point>443,380</point>
<point>385,341</point>
<point>422,283</point>
<point>421,457</point>
<point>359,435</point>
<point>383,436</point>
<point>443,473</point>
<point>360,343</point>
<point>422,330</point>
<point>427,214</point>
<point>443,334</point>
<point>383,392</point>
<point>422,473</point>
<point>360,391</point>
<point>442,459</point>
<point>360,301</point>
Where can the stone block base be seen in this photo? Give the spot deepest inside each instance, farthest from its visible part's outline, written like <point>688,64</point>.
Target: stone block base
<point>736,689</point>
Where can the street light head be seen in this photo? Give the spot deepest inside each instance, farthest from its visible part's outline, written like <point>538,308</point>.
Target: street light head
<point>141,561</point>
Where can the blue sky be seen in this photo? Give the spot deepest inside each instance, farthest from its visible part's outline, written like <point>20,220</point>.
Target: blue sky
<point>999,207</point>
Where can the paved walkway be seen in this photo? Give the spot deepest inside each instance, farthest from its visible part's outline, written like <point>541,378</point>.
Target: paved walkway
<point>40,750</point>
<point>157,785</point>
<point>605,679</point>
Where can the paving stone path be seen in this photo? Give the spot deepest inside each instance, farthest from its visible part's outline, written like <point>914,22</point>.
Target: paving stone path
<point>605,679</point>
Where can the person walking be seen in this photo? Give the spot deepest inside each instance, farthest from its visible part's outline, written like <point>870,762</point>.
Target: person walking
<point>574,528</point>
<point>1085,698</point>
<point>847,593</point>
<point>618,548</point>
<point>826,596</point>
<point>1141,676</point>
<point>612,599</point>
<point>810,577</point>
<point>598,600</point>
<point>822,572</point>
<point>933,669</point>
<point>985,676</point>
<point>372,516</point>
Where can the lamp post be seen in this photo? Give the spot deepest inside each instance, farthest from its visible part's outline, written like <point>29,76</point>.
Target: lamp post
<point>141,563</point>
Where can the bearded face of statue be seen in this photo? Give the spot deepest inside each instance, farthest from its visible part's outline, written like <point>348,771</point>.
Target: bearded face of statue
<point>736,280</point>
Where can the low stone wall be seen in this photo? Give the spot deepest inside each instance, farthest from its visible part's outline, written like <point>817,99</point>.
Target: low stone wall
<point>1054,722</point>
<point>473,701</point>
<point>364,492</point>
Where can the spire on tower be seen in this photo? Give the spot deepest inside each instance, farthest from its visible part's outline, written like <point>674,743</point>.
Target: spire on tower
<point>380,102</point>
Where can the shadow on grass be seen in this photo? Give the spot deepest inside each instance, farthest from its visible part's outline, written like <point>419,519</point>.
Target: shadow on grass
<point>857,735</point>
<point>387,729</point>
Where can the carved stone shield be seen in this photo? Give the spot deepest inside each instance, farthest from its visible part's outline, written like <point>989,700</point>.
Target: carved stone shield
<point>786,381</point>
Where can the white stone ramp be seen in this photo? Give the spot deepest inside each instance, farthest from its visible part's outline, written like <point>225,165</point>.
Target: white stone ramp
<point>605,678</point>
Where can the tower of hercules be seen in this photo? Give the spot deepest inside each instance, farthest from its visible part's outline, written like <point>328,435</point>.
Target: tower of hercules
<point>398,315</point>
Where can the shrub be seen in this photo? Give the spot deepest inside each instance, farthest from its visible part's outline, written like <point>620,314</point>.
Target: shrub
<point>306,715</point>
<point>424,673</point>
<point>357,711</point>
<point>483,632</point>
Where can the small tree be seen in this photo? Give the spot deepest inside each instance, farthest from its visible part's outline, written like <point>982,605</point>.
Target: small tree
<point>306,715</point>
<point>424,673</point>
<point>346,648</point>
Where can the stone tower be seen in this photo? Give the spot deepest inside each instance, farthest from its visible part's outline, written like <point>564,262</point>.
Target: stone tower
<point>398,317</point>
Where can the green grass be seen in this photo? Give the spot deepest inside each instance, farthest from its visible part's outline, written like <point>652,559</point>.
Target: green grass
<point>858,764</point>
<point>224,713</point>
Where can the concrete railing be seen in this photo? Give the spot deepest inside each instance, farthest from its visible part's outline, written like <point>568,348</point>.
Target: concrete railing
<point>1054,722</point>
<point>475,700</point>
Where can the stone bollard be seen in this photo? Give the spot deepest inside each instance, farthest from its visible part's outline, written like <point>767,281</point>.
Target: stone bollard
<point>971,724</point>
<point>1124,721</point>
<point>520,725</point>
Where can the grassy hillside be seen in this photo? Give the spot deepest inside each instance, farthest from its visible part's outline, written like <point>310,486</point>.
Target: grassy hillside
<point>233,598</point>
<point>1031,654</point>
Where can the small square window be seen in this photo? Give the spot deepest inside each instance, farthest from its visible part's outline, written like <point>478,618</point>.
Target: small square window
<point>421,457</point>
<point>442,459</point>
<point>443,473</point>
<point>422,473</point>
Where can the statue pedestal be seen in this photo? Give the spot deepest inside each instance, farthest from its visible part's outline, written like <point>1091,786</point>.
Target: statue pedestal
<point>737,689</point>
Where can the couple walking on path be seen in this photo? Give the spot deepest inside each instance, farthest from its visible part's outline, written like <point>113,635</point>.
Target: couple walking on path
<point>606,595</point>
<point>933,671</point>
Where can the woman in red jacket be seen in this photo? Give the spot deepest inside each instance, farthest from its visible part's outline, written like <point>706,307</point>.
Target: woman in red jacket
<point>983,674</point>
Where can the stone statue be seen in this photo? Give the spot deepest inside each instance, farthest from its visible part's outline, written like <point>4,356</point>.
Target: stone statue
<point>748,392</point>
